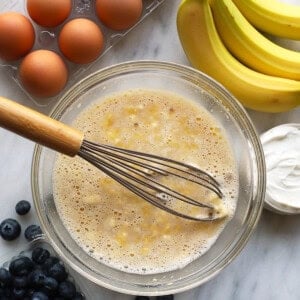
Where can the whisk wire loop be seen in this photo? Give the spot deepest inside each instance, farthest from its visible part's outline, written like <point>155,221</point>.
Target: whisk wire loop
<point>102,164</point>
<point>190,173</point>
<point>137,171</point>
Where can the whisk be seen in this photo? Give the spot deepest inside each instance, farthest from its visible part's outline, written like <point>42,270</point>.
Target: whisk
<point>139,172</point>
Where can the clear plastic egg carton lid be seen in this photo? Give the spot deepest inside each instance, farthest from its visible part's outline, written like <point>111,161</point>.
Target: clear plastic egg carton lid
<point>82,285</point>
<point>47,39</point>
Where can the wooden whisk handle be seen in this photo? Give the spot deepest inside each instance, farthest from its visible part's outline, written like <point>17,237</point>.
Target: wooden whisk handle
<point>39,128</point>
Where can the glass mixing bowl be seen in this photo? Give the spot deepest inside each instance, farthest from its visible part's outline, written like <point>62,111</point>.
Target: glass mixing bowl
<point>248,153</point>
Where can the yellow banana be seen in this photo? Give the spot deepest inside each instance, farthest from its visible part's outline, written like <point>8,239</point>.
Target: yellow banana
<point>272,16</point>
<point>207,53</point>
<point>250,46</point>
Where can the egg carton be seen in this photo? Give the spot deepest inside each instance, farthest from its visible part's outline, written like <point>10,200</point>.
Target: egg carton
<point>46,38</point>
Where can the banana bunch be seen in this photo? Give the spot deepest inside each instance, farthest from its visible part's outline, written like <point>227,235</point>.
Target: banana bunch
<point>219,40</point>
<point>272,16</point>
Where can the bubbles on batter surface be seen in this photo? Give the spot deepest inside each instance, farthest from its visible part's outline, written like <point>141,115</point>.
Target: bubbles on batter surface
<point>108,221</point>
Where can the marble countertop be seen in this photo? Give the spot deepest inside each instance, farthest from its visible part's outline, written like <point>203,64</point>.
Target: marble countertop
<point>267,268</point>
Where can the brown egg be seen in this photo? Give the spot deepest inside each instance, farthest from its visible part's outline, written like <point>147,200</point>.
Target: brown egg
<point>16,36</point>
<point>43,73</point>
<point>81,41</point>
<point>119,14</point>
<point>49,13</point>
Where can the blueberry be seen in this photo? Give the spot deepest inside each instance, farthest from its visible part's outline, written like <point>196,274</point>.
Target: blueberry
<point>50,285</point>
<point>49,262</point>
<point>18,293</point>
<point>23,207</point>
<point>21,266</point>
<point>20,281</point>
<point>32,231</point>
<point>36,278</point>
<point>39,255</point>
<point>39,296</point>
<point>5,277</point>
<point>166,297</point>
<point>10,229</point>
<point>67,289</point>
<point>58,272</point>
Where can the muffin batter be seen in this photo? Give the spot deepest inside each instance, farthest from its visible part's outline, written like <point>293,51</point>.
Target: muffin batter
<point>111,223</point>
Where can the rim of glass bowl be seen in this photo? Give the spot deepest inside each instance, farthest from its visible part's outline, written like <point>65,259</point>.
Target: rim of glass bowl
<point>193,76</point>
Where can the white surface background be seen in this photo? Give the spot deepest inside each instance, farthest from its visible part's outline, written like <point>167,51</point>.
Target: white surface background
<point>267,268</point>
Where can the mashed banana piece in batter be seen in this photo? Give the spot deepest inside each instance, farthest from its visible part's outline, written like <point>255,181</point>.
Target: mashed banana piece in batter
<point>117,227</point>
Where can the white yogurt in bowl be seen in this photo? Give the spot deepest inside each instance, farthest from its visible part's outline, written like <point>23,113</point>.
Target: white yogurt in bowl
<point>281,146</point>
